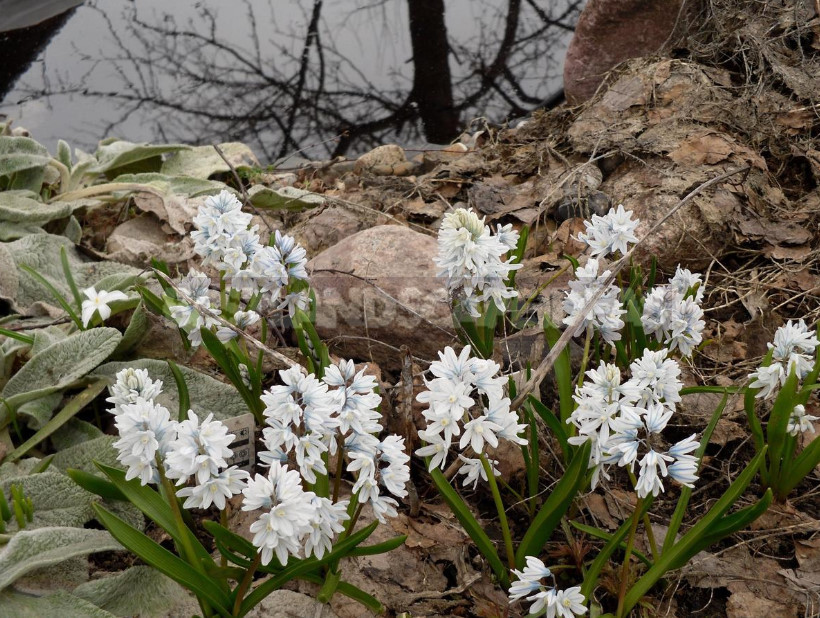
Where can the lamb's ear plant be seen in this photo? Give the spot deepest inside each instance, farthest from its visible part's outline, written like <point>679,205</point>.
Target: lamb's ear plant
<point>788,375</point>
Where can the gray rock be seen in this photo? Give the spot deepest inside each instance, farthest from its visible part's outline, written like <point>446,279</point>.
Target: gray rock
<point>376,291</point>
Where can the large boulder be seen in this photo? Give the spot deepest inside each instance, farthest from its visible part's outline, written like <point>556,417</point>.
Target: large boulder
<point>611,31</point>
<point>376,291</point>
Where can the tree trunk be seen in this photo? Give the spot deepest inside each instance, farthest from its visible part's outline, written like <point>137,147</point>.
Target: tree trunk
<point>432,86</point>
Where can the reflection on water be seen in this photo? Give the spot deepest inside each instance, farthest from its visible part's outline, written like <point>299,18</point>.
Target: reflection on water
<point>285,76</point>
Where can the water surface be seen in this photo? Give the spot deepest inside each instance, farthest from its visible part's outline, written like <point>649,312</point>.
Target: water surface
<point>288,76</point>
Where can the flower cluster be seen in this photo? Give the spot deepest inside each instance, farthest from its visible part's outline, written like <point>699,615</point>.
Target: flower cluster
<point>262,272</point>
<point>605,314</point>
<point>304,416</point>
<point>547,599</point>
<point>466,391</point>
<point>610,233</point>
<point>624,421</point>
<point>793,348</point>
<point>672,312</point>
<point>310,418</point>
<point>470,257</point>
<point>292,518</point>
<point>149,438</point>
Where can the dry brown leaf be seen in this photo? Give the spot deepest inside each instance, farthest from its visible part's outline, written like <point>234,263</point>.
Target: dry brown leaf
<point>797,254</point>
<point>138,240</point>
<point>177,210</point>
<point>703,149</point>
<point>597,507</point>
<point>426,534</point>
<point>728,431</point>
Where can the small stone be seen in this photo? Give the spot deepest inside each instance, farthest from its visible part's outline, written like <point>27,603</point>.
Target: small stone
<point>387,156</point>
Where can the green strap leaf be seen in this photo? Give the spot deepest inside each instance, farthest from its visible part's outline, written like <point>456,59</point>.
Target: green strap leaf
<point>379,548</point>
<point>182,391</point>
<point>691,542</point>
<point>729,524</point>
<point>554,508</point>
<point>152,504</point>
<point>220,354</point>
<point>299,568</point>
<point>553,423</point>
<point>163,560</point>
<point>55,293</point>
<point>686,492</point>
<point>803,464</point>
<point>69,277</point>
<point>776,428</point>
<point>470,524</point>
<point>229,539</point>
<point>95,484</point>
<point>616,540</point>
<point>607,536</point>
<point>562,371</point>
<point>11,334</point>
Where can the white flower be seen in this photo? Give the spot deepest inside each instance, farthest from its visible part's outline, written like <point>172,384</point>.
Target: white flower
<point>656,377</point>
<point>466,391</point>
<point>199,449</point>
<point>436,449</point>
<point>146,430</point>
<point>684,281</point>
<point>326,523</point>
<point>281,529</point>
<point>470,257</point>
<point>473,469</point>
<point>242,320</point>
<point>476,432</point>
<point>653,467</point>
<point>674,320</point>
<point>215,489</point>
<point>294,256</point>
<point>564,603</point>
<point>800,422</point>
<point>605,314</point>
<point>767,379</point>
<point>384,507</point>
<point>610,233</point>
<point>570,602</point>
<point>793,338</point>
<point>97,302</point>
<point>131,385</point>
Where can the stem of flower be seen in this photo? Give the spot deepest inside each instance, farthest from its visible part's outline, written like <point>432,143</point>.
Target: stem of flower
<point>337,481</point>
<point>630,541</point>
<point>245,584</point>
<point>221,288</point>
<point>650,534</point>
<point>185,542</point>
<point>499,507</point>
<point>223,521</point>
<point>585,357</point>
<point>354,519</point>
